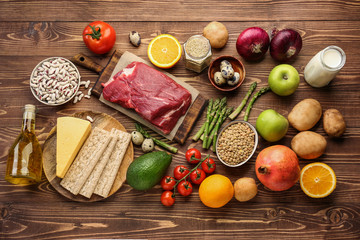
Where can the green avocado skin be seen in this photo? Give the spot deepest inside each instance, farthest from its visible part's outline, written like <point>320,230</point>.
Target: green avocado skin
<point>147,170</point>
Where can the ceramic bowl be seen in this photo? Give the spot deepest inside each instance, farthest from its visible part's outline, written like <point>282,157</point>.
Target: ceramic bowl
<point>215,67</point>
<point>53,76</point>
<point>256,139</point>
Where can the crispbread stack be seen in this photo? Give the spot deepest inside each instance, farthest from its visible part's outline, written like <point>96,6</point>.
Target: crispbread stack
<point>95,167</point>
<point>86,160</point>
<point>108,175</point>
<point>91,182</point>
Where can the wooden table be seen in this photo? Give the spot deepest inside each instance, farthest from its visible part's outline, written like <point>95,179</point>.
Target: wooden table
<point>34,30</point>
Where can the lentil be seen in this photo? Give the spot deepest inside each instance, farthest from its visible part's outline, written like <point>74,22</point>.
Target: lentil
<point>236,143</point>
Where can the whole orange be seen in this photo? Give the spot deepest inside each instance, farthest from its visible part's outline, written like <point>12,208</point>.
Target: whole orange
<point>216,191</point>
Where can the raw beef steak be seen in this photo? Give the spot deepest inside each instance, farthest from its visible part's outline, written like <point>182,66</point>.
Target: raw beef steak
<point>152,94</point>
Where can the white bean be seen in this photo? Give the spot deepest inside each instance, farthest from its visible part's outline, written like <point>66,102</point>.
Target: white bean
<point>76,99</point>
<point>87,84</point>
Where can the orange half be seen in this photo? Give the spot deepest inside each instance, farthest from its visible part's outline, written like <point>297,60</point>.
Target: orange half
<point>317,180</point>
<point>164,51</point>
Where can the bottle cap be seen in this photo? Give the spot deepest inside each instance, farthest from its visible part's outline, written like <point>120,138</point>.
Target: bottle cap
<point>30,107</point>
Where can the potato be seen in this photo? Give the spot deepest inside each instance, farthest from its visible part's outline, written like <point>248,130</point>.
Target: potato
<point>245,189</point>
<point>217,34</point>
<point>308,145</point>
<point>305,114</point>
<point>334,123</point>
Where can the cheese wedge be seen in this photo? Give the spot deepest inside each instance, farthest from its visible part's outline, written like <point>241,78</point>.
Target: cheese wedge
<point>71,135</point>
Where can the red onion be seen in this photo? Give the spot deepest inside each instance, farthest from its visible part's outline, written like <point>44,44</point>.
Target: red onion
<point>253,43</point>
<point>285,45</point>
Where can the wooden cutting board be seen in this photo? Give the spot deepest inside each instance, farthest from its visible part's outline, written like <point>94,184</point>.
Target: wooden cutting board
<point>117,62</point>
<point>102,121</point>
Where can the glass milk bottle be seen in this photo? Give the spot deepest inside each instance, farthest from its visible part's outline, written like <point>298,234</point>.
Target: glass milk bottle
<point>324,66</point>
<point>24,164</point>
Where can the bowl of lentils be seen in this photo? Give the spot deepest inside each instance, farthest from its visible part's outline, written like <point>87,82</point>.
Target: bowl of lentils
<point>55,81</point>
<point>236,144</point>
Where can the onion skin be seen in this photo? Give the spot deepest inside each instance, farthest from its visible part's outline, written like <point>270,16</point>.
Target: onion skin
<point>285,45</point>
<point>253,43</point>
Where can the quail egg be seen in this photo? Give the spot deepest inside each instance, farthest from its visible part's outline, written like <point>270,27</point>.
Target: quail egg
<point>137,138</point>
<point>227,72</point>
<point>219,79</point>
<point>135,38</point>
<point>234,80</point>
<point>225,63</point>
<point>148,145</point>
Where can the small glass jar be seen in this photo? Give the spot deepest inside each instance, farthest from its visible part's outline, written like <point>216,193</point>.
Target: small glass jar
<point>324,66</point>
<point>197,53</point>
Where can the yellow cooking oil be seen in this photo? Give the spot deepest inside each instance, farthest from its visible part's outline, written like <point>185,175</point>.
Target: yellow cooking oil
<point>24,164</point>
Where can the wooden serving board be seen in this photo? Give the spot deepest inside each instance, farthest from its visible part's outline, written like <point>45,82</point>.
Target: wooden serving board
<point>117,62</point>
<point>103,121</point>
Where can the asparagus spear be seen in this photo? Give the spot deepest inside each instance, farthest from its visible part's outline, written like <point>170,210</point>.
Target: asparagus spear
<point>251,103</point>
<point>207,123</point>
<point>156,141</point>
<point>217,115</point>
<point>243,102</point>
<point>222,106</point>
<point>201,130</point>
<point>219,120</point>
<point>217,128</point>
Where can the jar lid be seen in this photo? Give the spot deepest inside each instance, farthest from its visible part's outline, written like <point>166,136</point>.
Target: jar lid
<point>197,47</point>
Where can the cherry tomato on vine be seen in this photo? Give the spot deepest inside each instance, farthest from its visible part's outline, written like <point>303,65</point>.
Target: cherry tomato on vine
<point>168,183</point>
<point>167,198</point>
<point>208,165</point>
<point>180,172</point>
<point>193,153</point>
<point>185,188</point>
<point>99,37</point>
<point>197,176</point>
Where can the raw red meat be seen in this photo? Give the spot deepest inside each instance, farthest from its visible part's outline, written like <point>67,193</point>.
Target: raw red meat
<point>152,94</point>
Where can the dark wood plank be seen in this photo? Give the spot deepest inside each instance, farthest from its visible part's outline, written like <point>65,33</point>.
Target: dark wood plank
<point>33,30</point>
<point>167,10</point>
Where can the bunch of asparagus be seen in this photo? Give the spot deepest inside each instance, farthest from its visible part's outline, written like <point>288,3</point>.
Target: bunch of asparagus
<point>217,112</point>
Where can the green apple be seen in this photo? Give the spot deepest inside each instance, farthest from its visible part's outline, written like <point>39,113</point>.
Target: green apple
<point>271,125</point>
<point>284,79</point>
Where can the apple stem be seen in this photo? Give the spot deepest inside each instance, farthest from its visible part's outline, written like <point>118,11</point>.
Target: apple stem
<point>285,77</point>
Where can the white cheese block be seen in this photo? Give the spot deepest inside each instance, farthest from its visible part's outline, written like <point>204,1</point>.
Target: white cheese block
<point>71,135</point>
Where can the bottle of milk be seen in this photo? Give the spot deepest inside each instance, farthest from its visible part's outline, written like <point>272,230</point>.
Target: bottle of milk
<point>324,66</point>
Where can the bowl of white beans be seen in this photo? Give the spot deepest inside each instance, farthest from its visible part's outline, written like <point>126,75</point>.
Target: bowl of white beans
<point>55,81</point>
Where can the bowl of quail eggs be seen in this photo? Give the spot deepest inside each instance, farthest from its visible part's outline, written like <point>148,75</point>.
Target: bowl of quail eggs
<point>226,73</point>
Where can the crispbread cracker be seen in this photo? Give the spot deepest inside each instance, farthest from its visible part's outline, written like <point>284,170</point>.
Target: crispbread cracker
<point>86,160</point>
<point>109,173</point>
<point>91,182</point>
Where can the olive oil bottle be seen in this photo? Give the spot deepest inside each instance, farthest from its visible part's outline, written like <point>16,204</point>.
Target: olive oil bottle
<point>24,164</point>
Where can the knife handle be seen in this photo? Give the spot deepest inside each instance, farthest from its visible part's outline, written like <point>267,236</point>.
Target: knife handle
<point>87,62</point>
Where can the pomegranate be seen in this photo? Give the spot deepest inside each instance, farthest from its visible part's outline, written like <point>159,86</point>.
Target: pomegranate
<point>277,167</point>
